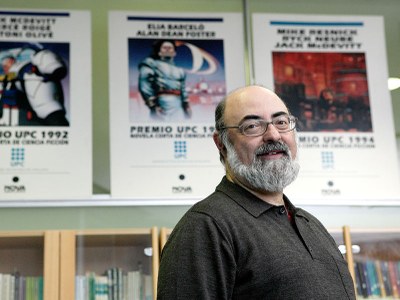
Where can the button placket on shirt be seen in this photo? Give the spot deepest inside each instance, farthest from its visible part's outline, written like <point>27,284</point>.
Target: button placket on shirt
<point>300,224</point>
<point>282,210</point>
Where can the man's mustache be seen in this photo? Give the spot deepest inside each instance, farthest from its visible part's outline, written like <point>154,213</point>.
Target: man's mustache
<point>273,147</point>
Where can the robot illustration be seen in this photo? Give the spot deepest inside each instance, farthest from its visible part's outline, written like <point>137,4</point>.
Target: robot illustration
<point>162,83</point>
<point>31,93</point>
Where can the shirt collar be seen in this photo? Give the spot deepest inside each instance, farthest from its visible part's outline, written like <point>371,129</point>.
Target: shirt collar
<point>251,203</point>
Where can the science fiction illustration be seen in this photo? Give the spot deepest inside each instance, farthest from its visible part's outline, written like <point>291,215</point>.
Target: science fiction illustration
<point>31,90</point>
<point>175,80</point>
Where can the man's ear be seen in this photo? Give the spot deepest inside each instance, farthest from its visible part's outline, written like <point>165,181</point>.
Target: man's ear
<point>221,147</point>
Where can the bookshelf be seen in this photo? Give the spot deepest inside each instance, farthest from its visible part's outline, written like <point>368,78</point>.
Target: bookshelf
<point>375,262</point>
<point>49,262</point>
<point>113,253</point>
<point>31,256</point>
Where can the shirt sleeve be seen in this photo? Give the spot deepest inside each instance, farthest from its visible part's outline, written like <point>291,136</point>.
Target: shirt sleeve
<point>146,79</point>
<point>197,262</point>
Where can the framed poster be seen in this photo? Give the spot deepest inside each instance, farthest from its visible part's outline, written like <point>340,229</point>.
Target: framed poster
<point>45,105</point>
<point>167,74</point>
<point>332,73</point>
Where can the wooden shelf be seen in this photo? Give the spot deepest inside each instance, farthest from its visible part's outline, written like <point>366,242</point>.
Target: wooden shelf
<point>98,250</point>
<point>378,250</point>
<point>59,256</point>
<point>32,253</point>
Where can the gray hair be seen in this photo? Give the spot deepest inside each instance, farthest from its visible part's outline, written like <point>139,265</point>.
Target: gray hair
<point>219,124</point>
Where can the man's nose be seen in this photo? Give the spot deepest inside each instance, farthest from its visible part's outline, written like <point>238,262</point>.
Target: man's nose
<point>271,134</point>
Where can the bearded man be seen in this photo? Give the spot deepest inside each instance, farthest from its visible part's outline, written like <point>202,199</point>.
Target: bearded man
<point>247,240</point>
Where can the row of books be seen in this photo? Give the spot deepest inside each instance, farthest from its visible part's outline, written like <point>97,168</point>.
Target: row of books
<point>377,278</point>
<point>114,284</point>
<point>16,287</point>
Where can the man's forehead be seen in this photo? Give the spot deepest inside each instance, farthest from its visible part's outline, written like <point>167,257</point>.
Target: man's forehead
<point>254,101</point>
<point>165,44</point>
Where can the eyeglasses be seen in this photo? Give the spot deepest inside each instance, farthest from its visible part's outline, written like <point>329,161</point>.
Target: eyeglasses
<point>283,123</point>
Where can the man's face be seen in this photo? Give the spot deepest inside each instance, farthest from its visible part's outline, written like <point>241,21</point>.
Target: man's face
<point>256,103</point>
<point>167,50</point>
<point>7,64</point>
<point>269,157</point>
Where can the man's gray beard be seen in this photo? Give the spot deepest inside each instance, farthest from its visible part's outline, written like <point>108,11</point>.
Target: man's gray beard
<point>265,175</point>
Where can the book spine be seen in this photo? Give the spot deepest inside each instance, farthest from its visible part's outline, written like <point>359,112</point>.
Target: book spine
<point>393,279</point>
<point>380,279</point>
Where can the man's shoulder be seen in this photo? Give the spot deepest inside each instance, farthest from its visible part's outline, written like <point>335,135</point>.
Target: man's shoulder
<point>216,203</point>
<point>148,61</point>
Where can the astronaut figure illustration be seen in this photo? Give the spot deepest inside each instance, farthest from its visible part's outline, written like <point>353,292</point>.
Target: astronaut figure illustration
<point>31,91</point>
<point>162,83</point>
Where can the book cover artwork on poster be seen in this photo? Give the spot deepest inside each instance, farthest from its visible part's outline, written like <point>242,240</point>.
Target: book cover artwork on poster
<point>34,84</point>
<point>175,80</point>
<point>327,92</point>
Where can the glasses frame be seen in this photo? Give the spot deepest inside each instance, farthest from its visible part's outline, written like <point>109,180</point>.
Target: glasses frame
<point>292,119</point>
